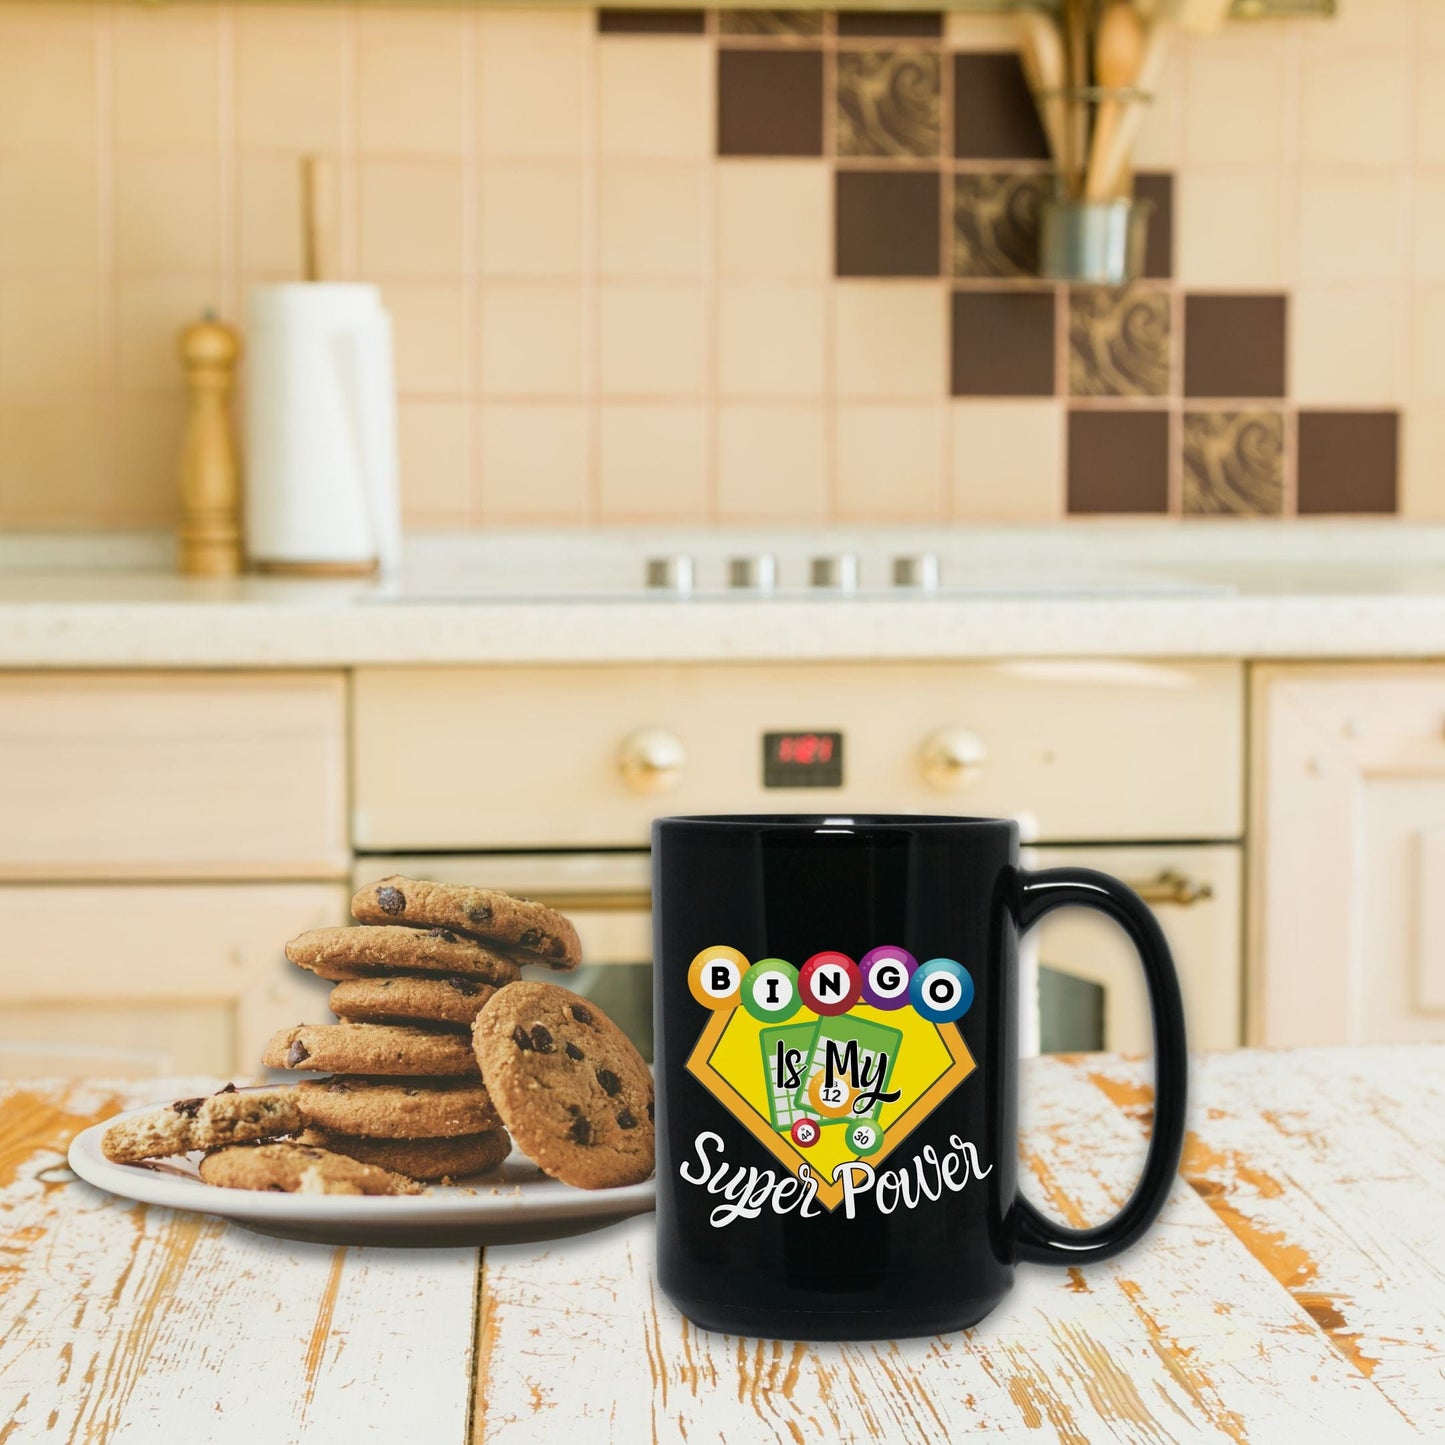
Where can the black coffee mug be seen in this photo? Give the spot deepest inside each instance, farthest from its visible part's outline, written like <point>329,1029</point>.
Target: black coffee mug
<point>836,1004</point>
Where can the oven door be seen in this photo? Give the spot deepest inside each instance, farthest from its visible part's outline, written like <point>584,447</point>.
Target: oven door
<point>608,896</point>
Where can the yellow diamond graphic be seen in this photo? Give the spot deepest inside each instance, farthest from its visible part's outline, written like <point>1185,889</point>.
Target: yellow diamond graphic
<point>730,1060</point>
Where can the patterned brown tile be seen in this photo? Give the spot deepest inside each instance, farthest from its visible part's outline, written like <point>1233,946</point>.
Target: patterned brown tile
<point>1233,463</point>
<point>1118,341</point>
<point>993,113</point>
<point>770,22</point>
<point>887,223</point>
<point>1157,187</point>
<point>770,103</point>
<point>1118,461</point>
<point>1348,461</point>
<point>1003,343</point>
<point>927,24</point>
<point>889,103</point>
<point>996,224</point>
<point>650,22</point>
<point>1234,345</point>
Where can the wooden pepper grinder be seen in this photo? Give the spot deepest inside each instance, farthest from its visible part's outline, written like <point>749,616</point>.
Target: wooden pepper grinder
<point>210,527</point>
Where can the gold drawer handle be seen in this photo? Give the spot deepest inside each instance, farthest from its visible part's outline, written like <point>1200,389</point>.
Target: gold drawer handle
<point>1169,886</point>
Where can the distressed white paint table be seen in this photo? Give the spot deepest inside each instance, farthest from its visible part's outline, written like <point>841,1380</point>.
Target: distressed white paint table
<point>1293,1291</point>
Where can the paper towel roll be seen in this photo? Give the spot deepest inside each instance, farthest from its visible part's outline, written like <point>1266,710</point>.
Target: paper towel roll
<point>321,466</point>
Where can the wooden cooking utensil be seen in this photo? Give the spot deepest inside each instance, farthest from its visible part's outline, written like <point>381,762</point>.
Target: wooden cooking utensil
<point>1114,162</point>
<point>1076,57</point>
<point>1042,54</point>
<point>1118,54</point>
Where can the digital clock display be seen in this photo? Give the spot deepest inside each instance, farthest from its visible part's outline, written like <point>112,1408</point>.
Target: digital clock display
<point>803,760</point>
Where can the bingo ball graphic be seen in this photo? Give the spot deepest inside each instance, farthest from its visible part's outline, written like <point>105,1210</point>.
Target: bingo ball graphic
<point>805,1133</point>
<point>830,983</point>
<point>770,990</point>
<point>941,990</point>
<point>864,1137</point>
<point>887,972</point>
<point>832,1101</point>
<point>715,976</point>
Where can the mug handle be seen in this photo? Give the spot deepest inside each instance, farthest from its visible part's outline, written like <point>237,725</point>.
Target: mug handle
<point>1039,1239</point>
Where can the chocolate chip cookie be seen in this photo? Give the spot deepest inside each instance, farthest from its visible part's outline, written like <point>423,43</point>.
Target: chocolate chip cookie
<point>454,1158</point>
<point>348,1048</point>
<point>532,931</point>
<point>233,1116</point>
<point>453,1002</point>
<point>569,1085</point>
<point>362,952</point>
<point>397,1108</point>
<point>299,1168</point>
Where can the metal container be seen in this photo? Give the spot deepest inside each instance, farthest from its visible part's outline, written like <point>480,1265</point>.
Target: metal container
<point>1099,243</point>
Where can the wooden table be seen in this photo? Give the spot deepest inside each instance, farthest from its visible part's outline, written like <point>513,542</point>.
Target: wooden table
<point>1293,1291</point>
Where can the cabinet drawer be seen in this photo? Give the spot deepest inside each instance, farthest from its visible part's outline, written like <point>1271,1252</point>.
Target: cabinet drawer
<point>180,776</point>
<point>188,976</point>
<point>459,758</point>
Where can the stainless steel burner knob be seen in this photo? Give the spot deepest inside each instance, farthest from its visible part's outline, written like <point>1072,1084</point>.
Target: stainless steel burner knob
<point>670,574</point>
<point>753,574</point>
<point>838,573</point>
<point>916,569</point>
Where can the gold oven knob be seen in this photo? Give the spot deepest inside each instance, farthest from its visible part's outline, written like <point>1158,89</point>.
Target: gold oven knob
<point>952,758</point>
<point>651,760</point>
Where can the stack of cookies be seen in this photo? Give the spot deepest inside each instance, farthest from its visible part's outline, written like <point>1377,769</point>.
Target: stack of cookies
<point>411,976</point>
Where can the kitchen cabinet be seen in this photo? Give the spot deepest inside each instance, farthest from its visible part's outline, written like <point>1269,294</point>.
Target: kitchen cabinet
<point>1348,823</point>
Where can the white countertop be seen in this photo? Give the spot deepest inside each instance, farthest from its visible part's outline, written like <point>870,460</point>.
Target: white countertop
<point>1227,590</point>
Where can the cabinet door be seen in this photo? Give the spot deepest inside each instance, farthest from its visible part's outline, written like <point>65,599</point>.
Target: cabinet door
<point>151,979</point>
<point>1347,898</point>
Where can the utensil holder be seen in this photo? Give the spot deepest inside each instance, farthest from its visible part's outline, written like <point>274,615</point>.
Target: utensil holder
<point>1098,243</point>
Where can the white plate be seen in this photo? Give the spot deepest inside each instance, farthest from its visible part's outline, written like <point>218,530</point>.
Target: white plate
<point>513,1204</point>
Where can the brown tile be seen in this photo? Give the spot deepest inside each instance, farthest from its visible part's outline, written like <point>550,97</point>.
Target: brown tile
<point>1118,341</point>
<point>1234,345</point>
<point>1348,461</point>
<point>887,223</point>
<point>780,23</point>
<point>1118,461</point>
<point>993,113</point>
<point>770,103</point>
<point>889,103</point>
<point>1003,343</point>
<point>650,22</point>
<point>1233,463</point>
<point>926,23</point>
<point>996,224</point>
<point>1157,187</point>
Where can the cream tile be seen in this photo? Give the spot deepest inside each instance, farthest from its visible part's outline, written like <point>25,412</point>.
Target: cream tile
<point>1354,110</point>
<point>1422,464</point>
<point>1429,239</point>
<point>533,25</point>
<point>532,221</point>
<point>1159,145</point>
<point>1234,108</point>
<point>1359,25</point>
<point>890,462</point>
<point>1229,228</point>
<point>651,340</point>
<point>772,464</point>
<point>411,218</point>
<point>536,463</point>
<point>150,313</point>
<point>432,337</point>
<point>167,213</point>
<point>290,69</point>
<point>1427,324</point>
<point>49,214</point>
<point>52,463</point>
<point>890,339</point>
<point>774,219</point>
<point>1430,109</point>
<point>1347,346</point>
<point>532,101</point>
<point>963,30</point>
<point>434,445</point>
<point>48,83</point>
<point>772,338</point>
<point>654,97</point>
<point>412,80</point>
<point>1352,227</point>
<point>165,77</point>
<point>52,335</point>
<point>268,213</point>
<point>1007,460</point>
<point>650,220</point>
<point>652,463</point>
<point>533,339</point>
<point>147,445</point>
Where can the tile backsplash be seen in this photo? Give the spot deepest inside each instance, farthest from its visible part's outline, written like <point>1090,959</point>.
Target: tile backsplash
<point>734,266</point>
